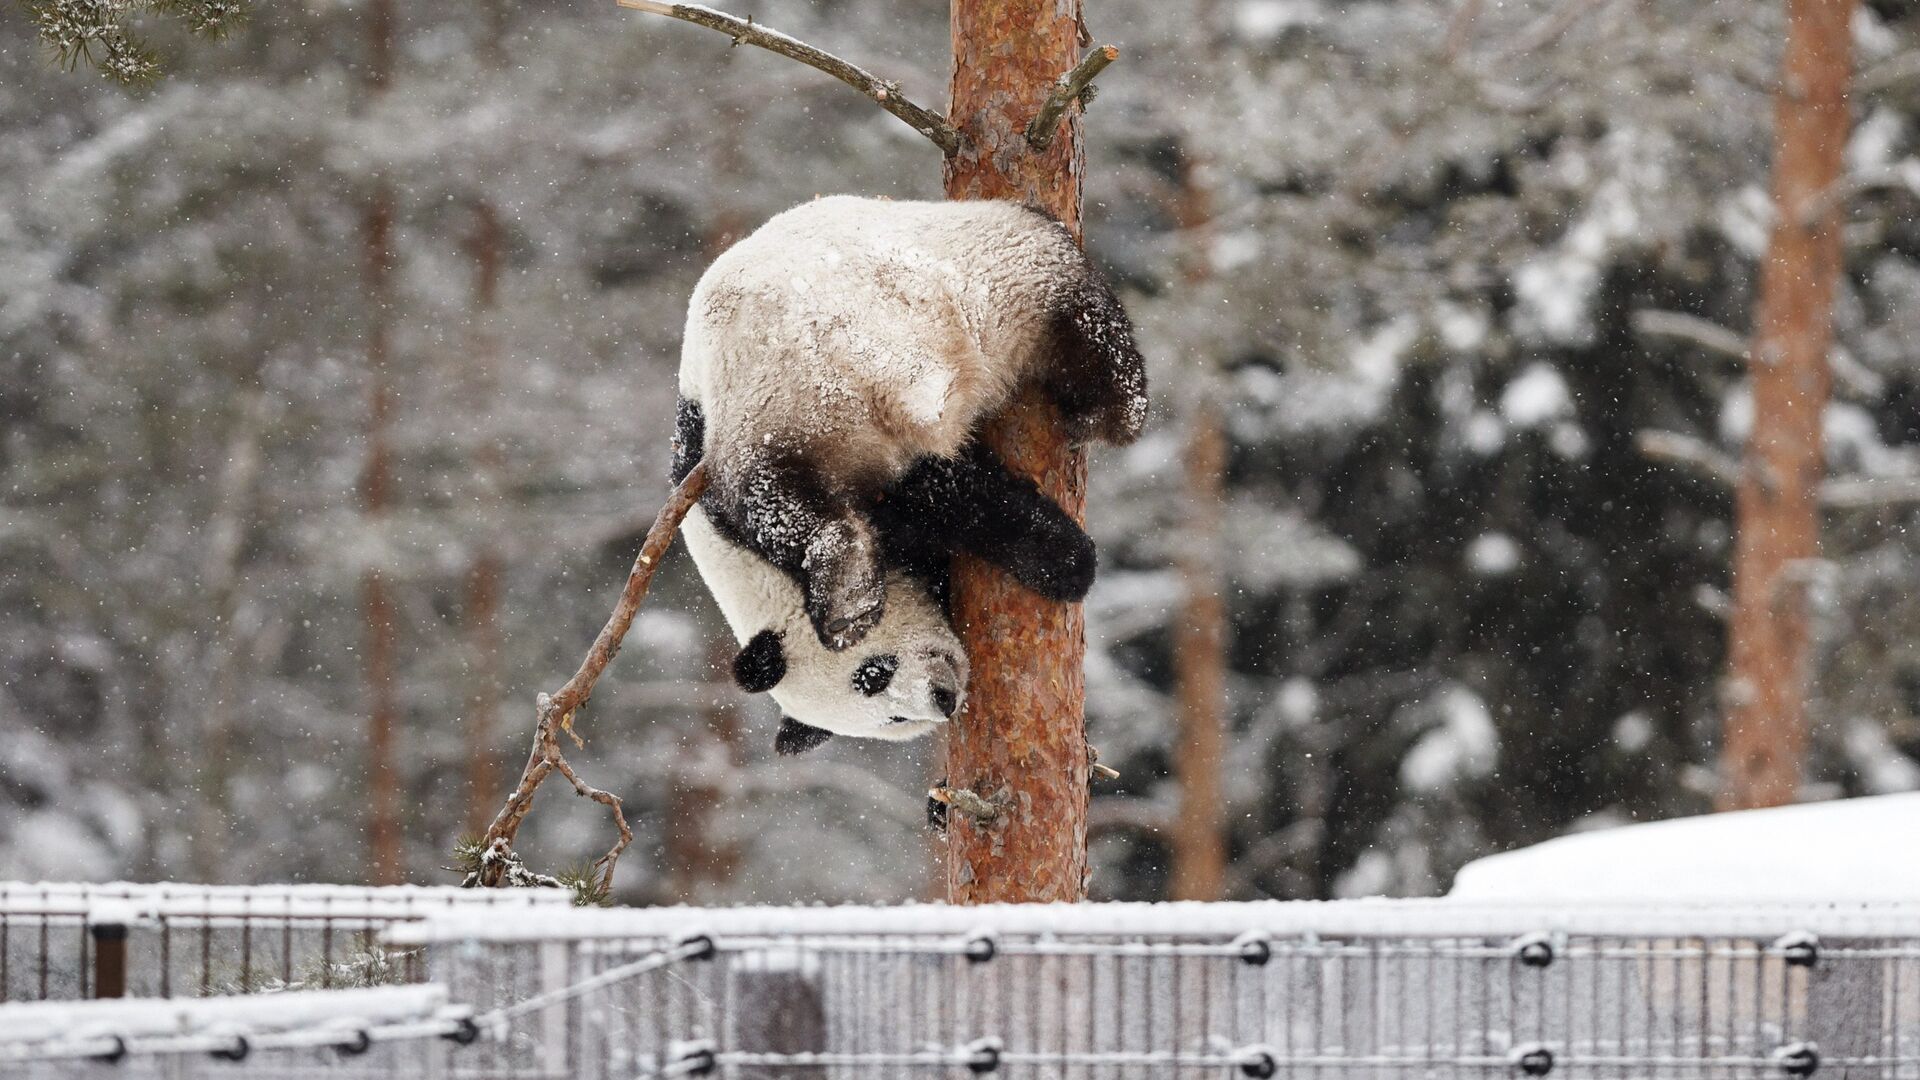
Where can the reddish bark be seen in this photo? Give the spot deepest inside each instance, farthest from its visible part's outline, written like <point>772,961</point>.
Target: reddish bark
<point>1200,638</point>
<point>1200,670</point>
<point>1778,514</point>
<point>696,858</point>
<point>386,861</point>
<point>484,764</point>
<point>1022,736</point>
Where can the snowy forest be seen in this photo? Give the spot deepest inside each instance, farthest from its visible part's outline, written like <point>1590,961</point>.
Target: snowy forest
<point>336,387</point>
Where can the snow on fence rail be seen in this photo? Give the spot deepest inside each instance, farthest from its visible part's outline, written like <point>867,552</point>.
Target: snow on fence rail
<point>60,941</point>
<point>1386,989</point>
<point>380,1032</point>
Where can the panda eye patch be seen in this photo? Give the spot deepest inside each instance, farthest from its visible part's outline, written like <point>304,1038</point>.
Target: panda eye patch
<point>874,673</point>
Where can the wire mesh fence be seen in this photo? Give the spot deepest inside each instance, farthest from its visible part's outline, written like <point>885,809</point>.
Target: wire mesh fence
<point>1365,989</point>
<point>202,940</point>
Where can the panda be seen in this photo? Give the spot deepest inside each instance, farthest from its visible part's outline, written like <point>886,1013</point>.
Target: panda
<point>836,366</point>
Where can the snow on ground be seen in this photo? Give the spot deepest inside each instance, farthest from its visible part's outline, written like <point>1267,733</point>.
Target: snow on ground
<point>1845,851</point>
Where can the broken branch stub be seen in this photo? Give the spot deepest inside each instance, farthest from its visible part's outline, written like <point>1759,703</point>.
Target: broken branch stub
<point>1075,85</point>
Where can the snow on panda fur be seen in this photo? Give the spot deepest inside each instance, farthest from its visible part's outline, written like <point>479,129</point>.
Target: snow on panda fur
<point>835,367</point>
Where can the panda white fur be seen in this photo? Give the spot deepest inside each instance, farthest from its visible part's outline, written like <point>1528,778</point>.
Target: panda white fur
<point>913,664</point>
<point>835,367</point>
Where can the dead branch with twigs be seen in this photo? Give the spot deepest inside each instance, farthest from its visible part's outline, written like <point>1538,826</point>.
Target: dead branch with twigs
<point>882,92</point>
<point>554,713</point>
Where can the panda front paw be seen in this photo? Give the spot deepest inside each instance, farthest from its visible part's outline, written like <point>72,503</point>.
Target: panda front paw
<point>846,589</point>
<point>1060,569</point>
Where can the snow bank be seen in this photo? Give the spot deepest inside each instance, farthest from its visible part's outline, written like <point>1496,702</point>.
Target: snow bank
<point>1846,851</point>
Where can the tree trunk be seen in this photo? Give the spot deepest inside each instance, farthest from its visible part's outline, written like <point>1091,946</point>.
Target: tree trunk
<point>1200,636</point>
<point>1200,669</point>
<point>1777,515</point>
<point>696,857</point>
<point>1022,736</point>
<point>385,859</point>
<point>485,769</point>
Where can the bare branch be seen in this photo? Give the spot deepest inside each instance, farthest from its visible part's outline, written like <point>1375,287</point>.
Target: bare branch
<point>554,713</point>
<point>1692,329</point>
<point>1870,492</point>
<point>1074,86</point>
<point>1888,74</point>
<point>1702,457</point>
<point>745,32</point>
<point>1902,175</point>
<point>1850,493</point>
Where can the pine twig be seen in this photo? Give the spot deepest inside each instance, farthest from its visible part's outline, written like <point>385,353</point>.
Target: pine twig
<point>1067,89</point>
<point>746,32</point>
<point>554,713</point>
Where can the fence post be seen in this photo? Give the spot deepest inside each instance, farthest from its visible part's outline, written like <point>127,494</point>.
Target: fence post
<point>110,926</point>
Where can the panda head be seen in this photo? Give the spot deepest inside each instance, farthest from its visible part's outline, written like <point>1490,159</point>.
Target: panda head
<point>906,677</point>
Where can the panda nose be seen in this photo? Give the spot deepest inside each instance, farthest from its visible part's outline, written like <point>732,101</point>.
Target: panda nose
<point>946,701</point>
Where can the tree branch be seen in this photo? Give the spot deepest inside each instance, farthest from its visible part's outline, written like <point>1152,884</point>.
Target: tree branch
<point>554,713</point>
<point>1074,86</point>
<point>1870,492</point>
<point>1692,329</point>
<point>1847,493</point>
<point>1701,457</point>
<point>743,31</point>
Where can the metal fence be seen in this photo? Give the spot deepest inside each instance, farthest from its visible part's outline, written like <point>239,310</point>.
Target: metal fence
<point>1363,989</point>
<point>1358,989</point>
<point>61,942</point>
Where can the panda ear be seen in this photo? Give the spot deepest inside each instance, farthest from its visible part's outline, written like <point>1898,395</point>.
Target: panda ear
<point>795,737</point>
<point>761,664</point>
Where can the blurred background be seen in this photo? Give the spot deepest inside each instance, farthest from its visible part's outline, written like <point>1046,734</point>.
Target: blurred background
<point>336,386</point>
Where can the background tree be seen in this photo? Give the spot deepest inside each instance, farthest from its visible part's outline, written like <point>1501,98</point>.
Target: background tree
<point>385,857</point>
<point>1777,519</point>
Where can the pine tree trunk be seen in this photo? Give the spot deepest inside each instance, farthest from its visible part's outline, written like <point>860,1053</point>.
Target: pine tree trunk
<point>485,768</point>
<point>1777,516</point>
<point>1200,637</point>
<point>386,862</point>
<point>1022,736</point>
<point>696,856</point>
<point>1200,669</point>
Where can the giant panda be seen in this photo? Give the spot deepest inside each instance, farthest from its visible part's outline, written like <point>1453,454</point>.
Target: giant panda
<point>836,366</point>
